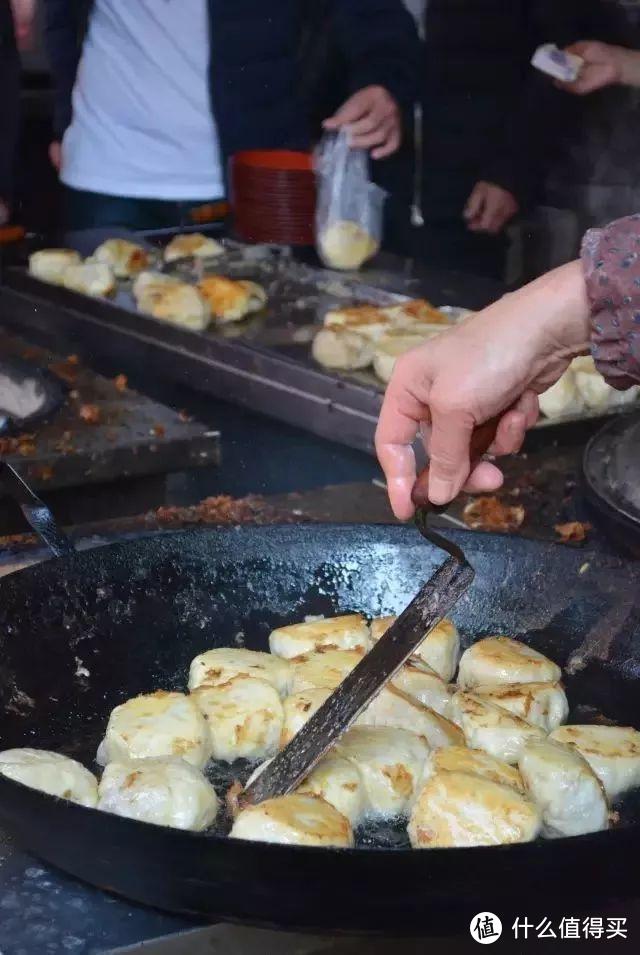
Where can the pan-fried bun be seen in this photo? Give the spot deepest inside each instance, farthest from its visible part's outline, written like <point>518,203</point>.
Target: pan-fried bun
<point>179,304</point>
<point>391,762</point>
<point>51,773</point>
<point>456,809</point>
<point>192,244</point>
<point>346,632</point>
<point>613,752</point>
<point>49,265</point>
<point>161,790</point>
<point>342,349</point>
<point>231,300</point>
<point>90,278</point>
<point>156,724</point>
<point>124,257</point>
<point>244,717</point>
<point>294,820</point>
<point>490,728</point>
<point>503,660</point>
<point>568,792</point>
<point>223,663</point>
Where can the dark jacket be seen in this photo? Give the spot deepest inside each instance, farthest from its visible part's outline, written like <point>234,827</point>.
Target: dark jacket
<point>595,169</point>
<point>9,99</point>
<point>260,88</point>
<point>488,114</point>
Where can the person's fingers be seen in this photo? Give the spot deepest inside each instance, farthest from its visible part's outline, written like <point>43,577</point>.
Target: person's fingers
<point>489,217</point>
<point>529,405</point>
<point>510,434</point>
<point>581,48</point>
<point>369,123</point>
<point>397,428</point>
<point>498,220</point>
<point>379,137</point>
<point>400,479</point>
<point>514,424</point>
<point>449,443</point>
<point>355,108</point>
<point>484,478</point>
<point>475,202</point>
<point>391,146</point>
<point>55,155</point>
<point>589,82</point>
<point>494,213</point>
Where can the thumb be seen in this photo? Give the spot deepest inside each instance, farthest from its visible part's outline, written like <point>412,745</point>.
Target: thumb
<point>475,202</point>
<point>449,463</point>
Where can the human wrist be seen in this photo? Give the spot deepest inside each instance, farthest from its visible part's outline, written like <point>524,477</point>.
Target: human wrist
<point>558,311</point>
<point>628,66</point>
<point>571,311</point>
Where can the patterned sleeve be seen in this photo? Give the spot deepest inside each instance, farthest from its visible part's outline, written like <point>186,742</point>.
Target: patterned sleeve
<point>611,262</point>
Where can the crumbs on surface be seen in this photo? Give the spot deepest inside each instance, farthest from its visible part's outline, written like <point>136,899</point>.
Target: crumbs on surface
<point>490,514</point>
<point>573,532</point>
<point>90,414</point>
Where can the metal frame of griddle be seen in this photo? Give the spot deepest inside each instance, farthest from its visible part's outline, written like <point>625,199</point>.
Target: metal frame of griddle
<point>335,406</point>
<point>245,373</point>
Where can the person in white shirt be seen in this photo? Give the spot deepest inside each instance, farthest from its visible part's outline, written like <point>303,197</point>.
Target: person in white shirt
<point>166,90</point>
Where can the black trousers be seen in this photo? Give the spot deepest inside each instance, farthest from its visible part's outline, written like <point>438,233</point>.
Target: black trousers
<point>9,99</point>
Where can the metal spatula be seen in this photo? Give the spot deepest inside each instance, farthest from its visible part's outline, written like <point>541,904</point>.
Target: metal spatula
<point>434,600</point>
<point>36,512</point>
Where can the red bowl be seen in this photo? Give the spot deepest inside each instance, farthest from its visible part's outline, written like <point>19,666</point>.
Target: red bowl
<point>274,196</point>
<point>273,159</point>
<point>282,216</point>
<point>265,198</point>
<point>261,214</point>
<point>274,232</point>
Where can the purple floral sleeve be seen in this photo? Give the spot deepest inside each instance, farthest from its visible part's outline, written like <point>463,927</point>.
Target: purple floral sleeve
<point>611,261</point>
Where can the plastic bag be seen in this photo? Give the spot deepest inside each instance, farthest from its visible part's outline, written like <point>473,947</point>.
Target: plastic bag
<point>349,206</point>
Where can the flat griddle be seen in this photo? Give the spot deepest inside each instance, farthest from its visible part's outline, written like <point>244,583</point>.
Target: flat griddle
<point>263,363</point>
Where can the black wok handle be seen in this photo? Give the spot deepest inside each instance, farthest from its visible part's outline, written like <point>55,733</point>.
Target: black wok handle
<point>36,512</point>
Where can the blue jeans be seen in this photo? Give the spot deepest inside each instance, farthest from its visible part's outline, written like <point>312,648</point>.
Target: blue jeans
<point>92,210</point>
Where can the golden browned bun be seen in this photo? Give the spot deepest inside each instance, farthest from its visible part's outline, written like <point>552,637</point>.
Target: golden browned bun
<point>342,349</point>
<point>178,304</point>
<point>194,245</point>
<point>230,300</point>
<point>124,257</point>
<point>49,265</point>
<point>90,278</point>
<point>457,809</point>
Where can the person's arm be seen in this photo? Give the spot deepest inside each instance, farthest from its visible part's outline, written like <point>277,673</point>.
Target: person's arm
<point>62,39</point>
<point>499,361</point>
<point>380,44</point>
<point>532,112</point>
<point>9,107</point>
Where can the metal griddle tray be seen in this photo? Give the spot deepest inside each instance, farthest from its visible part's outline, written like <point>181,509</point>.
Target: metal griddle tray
<point>264,362</point>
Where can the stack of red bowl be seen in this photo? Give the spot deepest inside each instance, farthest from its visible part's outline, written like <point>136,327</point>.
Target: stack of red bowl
<point>273,196</point>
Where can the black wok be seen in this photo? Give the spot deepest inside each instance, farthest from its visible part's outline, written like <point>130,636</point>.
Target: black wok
<point>135,614</point>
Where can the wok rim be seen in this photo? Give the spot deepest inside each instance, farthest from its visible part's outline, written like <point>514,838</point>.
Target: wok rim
<point>594,839</point>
